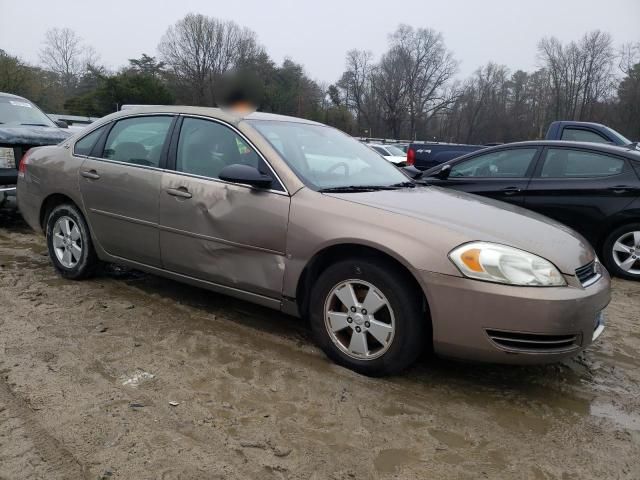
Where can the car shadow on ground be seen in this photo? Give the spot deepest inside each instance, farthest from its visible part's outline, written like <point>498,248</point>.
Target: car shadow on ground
<point>429,370</point>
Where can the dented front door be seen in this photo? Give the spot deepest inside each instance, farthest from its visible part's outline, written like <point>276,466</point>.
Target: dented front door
<point>224,233</point>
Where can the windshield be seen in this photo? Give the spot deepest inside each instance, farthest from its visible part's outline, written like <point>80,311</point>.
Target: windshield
<point>623,140</point>
<point>18,111</point>
<point>324,157</point>
<point>393,150</point>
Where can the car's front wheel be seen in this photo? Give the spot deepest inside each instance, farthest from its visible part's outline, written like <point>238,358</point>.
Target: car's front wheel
<point>622,251</point>
<point>69,243</point>
<point>367,316</point>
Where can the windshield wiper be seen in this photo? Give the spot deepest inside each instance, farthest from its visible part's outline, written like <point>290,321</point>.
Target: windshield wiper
<point>404,185</point>
<point>358,188</point>
<point>35,124</point>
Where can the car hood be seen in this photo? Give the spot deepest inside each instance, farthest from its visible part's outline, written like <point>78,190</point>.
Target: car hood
<point>477,218</point>
<point>32,135</point>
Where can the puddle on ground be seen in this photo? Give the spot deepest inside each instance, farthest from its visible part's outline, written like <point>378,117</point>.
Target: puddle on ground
<point>450,439</point>
<point>390,460</point>
<point>609,411</point>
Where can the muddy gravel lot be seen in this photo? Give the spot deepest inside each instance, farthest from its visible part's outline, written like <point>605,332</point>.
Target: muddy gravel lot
<point>135,377</point>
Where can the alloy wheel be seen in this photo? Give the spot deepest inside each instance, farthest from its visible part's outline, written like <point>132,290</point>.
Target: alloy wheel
<point>626,252</point>
<point>359,319</point>
<point>67,241</point>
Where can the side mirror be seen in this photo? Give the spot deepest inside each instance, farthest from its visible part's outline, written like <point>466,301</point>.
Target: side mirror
<point>412,171</point>
<point>444,172</point>
<point>61,123</point>
<point>238,173</point>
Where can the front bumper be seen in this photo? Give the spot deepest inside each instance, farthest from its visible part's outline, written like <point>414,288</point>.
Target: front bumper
<point>506,324</point>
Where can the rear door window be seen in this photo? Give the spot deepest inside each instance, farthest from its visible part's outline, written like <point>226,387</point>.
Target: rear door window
<point>568,163</point>
<point>513,163</point>
<point>582,135</point>
<point>138,140</point>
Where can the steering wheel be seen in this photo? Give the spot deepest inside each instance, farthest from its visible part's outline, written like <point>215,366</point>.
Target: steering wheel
<point>335,166</point>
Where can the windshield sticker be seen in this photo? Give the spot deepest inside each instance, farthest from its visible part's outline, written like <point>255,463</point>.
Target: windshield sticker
<point>20,104</point>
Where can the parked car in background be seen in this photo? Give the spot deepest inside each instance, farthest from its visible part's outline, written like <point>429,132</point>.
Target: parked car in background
<point>75,123</point>
<point>593,188</point>
<point>390,152</point>
<point>22,126</point>
<point>402,146</point>
<point>424,156</point>
<point>585,132</point>
<point>300,217</point>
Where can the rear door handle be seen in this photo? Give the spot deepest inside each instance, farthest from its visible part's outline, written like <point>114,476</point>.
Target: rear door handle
<point>181,192</point>
<point>511,190</point>
<point>91,174</point>
<point>619,189</point>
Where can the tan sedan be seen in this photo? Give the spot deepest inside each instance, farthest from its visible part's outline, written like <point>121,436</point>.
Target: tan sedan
<point>297,216</point>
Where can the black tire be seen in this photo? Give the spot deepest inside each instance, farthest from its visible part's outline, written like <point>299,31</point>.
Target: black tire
<point>411,321</point>
<point>87,262</point>
<point>608,252</point>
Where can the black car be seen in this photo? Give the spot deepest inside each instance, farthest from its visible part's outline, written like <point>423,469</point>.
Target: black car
<point>22,126</point>
<point>592,188</point>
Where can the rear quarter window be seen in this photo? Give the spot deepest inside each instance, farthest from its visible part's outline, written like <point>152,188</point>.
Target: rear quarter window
<point>86,144</point>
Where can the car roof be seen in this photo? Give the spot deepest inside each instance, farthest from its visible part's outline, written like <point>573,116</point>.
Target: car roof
<point>219,113</point>
<point>578,124</point>
<point>11,95</point>
<point>603,147</point>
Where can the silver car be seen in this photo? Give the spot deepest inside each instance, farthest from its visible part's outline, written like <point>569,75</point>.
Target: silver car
<point>299,217</point>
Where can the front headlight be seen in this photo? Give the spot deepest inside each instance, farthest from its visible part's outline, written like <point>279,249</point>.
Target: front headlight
<point>7,158</point>
<point>493,262</point>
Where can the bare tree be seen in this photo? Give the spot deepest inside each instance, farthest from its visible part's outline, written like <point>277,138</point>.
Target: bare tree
<point>390,88</point>
<point>426,67</point>
<point>200,49</point>
<point>581,72</point>
<point>356,82</point>
<point>65,54</point>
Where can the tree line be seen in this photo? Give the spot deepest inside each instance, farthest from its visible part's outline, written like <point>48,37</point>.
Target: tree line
<point>412,91</point>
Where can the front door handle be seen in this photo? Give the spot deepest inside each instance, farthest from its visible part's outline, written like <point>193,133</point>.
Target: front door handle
<point>511,190</point>
<point>91,174</point>
<point>180,192</point>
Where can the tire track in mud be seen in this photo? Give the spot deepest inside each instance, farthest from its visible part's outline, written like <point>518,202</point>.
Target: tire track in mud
<point>27,450</point>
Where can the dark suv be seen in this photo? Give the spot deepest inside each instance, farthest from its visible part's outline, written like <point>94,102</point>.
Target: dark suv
<point>22,126</point>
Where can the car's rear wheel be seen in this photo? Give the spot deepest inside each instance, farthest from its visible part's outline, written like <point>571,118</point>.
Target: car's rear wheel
<point>367,316</point>
<point>622,251</point>
<point>69,243</point>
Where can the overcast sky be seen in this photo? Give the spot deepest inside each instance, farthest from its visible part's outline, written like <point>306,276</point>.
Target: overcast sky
<point>318,33</point>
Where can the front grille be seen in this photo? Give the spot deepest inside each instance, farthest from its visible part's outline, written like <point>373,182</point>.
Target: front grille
<point>587,274</point>
<point>533,342</point>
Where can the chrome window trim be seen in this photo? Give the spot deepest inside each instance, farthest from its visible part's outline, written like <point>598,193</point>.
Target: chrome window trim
<point>203,117</point>
<point>224,182</point>
<point>249,142</point>
<point>126,164</point>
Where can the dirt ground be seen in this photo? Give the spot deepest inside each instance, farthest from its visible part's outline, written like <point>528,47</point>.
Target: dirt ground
<point>88,371</point>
